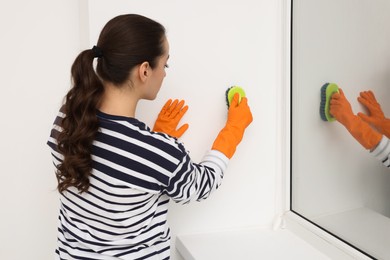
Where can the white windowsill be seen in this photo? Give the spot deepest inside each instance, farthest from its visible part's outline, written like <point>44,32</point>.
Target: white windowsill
<point>246,244</point>
<point>298,239</point>
<point>364,228</point>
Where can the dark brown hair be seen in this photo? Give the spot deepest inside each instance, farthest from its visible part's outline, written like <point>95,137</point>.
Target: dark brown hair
<point>125,42</point>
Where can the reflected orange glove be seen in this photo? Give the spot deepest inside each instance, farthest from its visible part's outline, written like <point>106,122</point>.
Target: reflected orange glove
<point>169,117</point>
<point>376,116</point>
<point>341,109</point>
<point>239,118</point>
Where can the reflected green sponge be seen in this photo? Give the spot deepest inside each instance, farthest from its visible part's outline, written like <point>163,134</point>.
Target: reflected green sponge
<point>327,90</point>
<point>230,94</point>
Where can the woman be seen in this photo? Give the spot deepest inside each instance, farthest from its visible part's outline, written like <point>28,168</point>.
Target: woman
<point>116,175</point>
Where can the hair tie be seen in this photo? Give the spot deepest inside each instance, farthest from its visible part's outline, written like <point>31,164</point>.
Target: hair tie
<point>97,52</point>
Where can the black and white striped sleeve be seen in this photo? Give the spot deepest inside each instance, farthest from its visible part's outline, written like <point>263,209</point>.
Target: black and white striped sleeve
<point>195,182</point>
<point>382,151</point>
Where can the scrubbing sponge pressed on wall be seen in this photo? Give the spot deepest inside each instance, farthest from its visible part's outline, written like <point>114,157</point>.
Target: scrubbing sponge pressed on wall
<point>230,94</point>
<point>327,90</point>
<point>239,118</point>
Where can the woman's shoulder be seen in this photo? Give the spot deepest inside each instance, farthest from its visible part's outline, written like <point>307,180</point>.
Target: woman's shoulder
<point>135,132</point>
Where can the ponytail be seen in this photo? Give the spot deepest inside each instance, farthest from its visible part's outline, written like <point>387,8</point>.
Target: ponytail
<point>125,42</point>
<point>80,124</point>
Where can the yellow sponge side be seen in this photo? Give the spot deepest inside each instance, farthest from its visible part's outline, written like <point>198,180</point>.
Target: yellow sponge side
<point>233,90</point>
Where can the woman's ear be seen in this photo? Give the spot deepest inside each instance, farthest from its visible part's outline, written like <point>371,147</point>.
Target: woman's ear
<point>144,71</point>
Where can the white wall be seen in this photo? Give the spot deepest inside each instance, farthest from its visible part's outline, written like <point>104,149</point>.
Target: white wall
<point>345,42</point>
<point>39,40</point>
<point>214,44</point>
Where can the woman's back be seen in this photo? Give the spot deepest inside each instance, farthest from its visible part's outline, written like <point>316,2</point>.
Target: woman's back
<point>135,172</point>
<point>125,208</point>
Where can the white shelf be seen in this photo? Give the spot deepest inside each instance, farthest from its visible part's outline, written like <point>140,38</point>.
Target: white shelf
<point>246,244</point>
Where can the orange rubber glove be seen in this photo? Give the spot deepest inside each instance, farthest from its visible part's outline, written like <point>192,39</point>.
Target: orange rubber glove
<point>376,116</point>
<point>239,118</point>
<point>341,109</point>
<point>169,117</point>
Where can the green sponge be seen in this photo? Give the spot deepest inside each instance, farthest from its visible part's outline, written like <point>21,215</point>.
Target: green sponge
<point>327,90</point>
<point>230,94</point>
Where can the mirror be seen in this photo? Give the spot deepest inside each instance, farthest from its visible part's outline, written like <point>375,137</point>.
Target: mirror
<point>335,183</point>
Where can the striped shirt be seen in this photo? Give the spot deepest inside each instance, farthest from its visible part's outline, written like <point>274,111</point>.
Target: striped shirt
<point>382,151</point>
<point>135,172</point>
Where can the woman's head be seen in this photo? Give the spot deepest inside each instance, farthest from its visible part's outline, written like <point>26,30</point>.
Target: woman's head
<point>127,41</point>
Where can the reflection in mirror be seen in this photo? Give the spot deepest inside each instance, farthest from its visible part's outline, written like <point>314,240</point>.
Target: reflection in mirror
<point>336,183</point>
